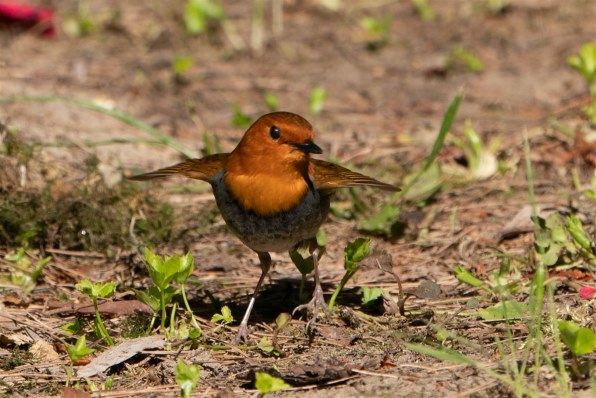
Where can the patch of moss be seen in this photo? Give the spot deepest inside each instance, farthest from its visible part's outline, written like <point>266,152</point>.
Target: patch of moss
<point>87,216</point>
<point>135,326</point>
<point>17,358</point>
<point>84,215</point>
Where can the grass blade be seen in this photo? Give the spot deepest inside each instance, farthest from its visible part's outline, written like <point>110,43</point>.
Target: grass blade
<point>158,135</point>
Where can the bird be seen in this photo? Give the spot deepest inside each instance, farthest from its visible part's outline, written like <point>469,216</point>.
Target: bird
<point>272,194</point>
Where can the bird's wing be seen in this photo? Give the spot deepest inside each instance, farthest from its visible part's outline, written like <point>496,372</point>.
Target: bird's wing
<point>199,169</point>
<point>329,176</point>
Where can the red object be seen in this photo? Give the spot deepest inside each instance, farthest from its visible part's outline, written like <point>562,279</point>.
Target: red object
<point>27,16</point>
<point>587,293</point>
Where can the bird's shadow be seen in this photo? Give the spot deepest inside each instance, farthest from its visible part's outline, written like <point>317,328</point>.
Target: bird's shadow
<point>275,297</point>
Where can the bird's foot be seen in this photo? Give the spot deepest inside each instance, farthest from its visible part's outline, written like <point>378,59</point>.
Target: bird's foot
<point>242,335</point>
<point>313,308</point>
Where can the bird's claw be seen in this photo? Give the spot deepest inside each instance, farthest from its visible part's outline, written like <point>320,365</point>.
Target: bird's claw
<point>313,307</point>
<point>242,334</point>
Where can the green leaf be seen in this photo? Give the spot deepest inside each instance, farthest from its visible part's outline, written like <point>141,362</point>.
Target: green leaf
<point>95,290</point>
<point>467,58</point>
<point>74,327</point>
<point>304,265</point>
<point>194,333</point>
<point>271,101</point>
<point>181,65</point>
<point>355,252</point>
<point>585,62</point>
<point>282,320</point>
<point>149,297</point>
<point>422,186</point>
<point>424,11</point>
<point>443,354</point>
<point>105,290</point>
<point>197,14</point>
<point>225,316</point>
<point>370,295</point>
<point>240,119</point>
<point>507,309</point>
<point>580,341</point>
<point>445,126</point>
<point>186,266</point>
<point>266,383</point>
<point>162,270</point>
<point>465,276</point>
<point>79,350</point>
<point>381,222</point>
<point>576,230</point>
<point>375,25</point>
<point>85,286</point>
<point>321,238</point>
<point>187,377</point>
<point>41,264</point>
<point>266,345</point>
<point>316,100</point>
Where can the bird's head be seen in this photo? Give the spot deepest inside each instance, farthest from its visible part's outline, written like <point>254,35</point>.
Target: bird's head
<point>277,138</point>
<point>274,155</point>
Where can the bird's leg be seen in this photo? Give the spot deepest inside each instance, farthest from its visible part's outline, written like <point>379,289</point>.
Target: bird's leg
<point>265,260</point>
<point>317,302</point>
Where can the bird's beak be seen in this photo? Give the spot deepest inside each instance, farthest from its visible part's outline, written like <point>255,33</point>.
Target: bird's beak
<point>308,147</point>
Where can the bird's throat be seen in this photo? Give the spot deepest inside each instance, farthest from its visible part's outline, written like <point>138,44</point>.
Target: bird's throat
<point>267,194</point>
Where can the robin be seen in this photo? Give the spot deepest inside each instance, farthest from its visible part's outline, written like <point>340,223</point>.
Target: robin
<point>272,195</point>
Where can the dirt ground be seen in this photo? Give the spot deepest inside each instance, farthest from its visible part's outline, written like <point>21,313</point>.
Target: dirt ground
<point>386,99</point>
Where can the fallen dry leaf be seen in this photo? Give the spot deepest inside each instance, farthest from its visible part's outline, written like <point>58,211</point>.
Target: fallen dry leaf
<point>120,353</point>
<point>43,351</point>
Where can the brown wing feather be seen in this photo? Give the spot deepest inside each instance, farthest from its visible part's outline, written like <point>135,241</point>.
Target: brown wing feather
<point>330,176</point>
<point>199,169</point>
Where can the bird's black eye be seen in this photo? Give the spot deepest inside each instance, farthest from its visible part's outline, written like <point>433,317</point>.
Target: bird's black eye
<point>274,132</point>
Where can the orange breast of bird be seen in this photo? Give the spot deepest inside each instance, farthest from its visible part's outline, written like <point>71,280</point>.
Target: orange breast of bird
<point>271,231</point>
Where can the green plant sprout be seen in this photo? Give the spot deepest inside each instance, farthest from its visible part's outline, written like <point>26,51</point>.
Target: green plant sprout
<point>79,350</point>
<point>281,322</point>
<point>95,291</point>
<point>271,101</point>
<point>370,295</point>
<point>481,160</point>
<point>376,31</point>
<point>198,14</point>
<point>23,275</point>
<point>423,10</point>
<point>266,383</point>
<point>74,327</point>
<point>180,65</point>
<point>304,261</point>
<point>210,145</point>
<point>506,280</point>
<point>80,24</point>
<point>585,64</point>
<point>266,345</point>
<point>466,58</point>
<point>164,271</point>
<point>224,317</point>
<point>187,377</point>
<point>316,99</point>
<point>240,119</point>
<point>580,341</point>
<point>354,253</point>
<point>106,386</point>
<point>420,186</point>
<point>563,240</point>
